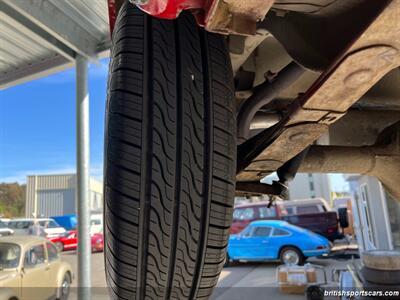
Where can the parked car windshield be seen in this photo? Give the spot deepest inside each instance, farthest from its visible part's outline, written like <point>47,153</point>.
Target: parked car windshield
<point>267,212</point>
<point>307,209</point>
<point>280,232</point>
<point>243,213</point>
<point>290,211</point>
<point>20,224</point>
<point>261,231</point>
<point>3,225</point>
<point>9,255</point>
<point>49,224</point>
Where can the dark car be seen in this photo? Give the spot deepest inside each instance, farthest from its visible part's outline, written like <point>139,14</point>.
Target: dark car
<point>318,220</point>
<point>244,214</point>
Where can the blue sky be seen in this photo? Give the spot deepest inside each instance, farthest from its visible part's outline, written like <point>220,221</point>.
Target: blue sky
<point>37,126</point>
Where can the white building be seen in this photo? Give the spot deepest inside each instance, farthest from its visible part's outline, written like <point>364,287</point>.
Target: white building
<point>303,186</point>
<point>376,214</point>
<point>306,186</point>
<point>55,195</point>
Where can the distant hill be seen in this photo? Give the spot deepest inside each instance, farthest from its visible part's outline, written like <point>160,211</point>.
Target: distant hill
<point>12,199</point>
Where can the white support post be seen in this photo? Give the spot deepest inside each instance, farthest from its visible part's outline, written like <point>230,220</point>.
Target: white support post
<point>82,167</point>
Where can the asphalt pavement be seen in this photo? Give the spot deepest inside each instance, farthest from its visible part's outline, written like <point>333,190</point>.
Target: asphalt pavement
<point>248,281</point>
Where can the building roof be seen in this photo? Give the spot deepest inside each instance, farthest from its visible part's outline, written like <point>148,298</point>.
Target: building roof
<point>59,181</point>
<point>38,38</point>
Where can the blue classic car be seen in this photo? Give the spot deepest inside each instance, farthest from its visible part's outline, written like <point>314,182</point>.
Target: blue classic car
<point>272,240</point>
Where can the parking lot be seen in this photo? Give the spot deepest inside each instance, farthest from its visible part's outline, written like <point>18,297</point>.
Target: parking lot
<point>240,281</point>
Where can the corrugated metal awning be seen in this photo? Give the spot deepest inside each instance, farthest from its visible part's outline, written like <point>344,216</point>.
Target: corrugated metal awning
<point>40,37</point>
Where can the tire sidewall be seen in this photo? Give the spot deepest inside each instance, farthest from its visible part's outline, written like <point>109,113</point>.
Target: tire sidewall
<point>60,246</point>
<point>64,291</point>
<point>300,256</point>
<point>170,156</point>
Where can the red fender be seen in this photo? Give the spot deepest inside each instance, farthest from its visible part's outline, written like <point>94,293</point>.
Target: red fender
<point>165,9</point>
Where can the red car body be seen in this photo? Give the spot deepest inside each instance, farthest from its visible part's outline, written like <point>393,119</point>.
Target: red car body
<point>70,242</point>
<point>244,214</point>
<point>167,9</point>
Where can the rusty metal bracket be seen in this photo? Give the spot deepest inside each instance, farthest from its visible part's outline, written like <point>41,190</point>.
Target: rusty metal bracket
<point>381,160</point>
<point>236,16</point>
<point>263,94</point>
<point>285,173</point>
<point>258,188</point>
<point>374,53</point>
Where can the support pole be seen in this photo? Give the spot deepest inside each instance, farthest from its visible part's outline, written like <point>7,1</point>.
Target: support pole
<point>82,167</point>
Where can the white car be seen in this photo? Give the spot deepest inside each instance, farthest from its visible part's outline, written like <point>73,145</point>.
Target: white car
<point>51,228</point>
<point>4,230</point>
<point>96,223</point>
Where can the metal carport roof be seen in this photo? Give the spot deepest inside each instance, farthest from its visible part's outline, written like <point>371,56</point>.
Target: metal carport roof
<point>40,37</point>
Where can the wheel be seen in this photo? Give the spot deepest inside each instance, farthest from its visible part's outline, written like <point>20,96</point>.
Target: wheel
<point>314,292</point>
<point>170,158</point>
<point>65,287</point>
<point>383,277</point>
<point>291,256</point>
<point>60,246</point>
<point>228,261</point>
<point>388,260</point>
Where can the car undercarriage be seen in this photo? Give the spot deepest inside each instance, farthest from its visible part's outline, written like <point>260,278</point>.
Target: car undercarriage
<point>319,72</point>
<point>316,88</point>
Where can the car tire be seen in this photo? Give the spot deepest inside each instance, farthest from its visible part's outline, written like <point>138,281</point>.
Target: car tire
<point>228,261</point>
<point>60,246</point>
<point>315,292</point>
<point>65,287</point>
<point>384,277</point>
<point>170,158</point>
<point>386,260</point>
<point>288,254</point>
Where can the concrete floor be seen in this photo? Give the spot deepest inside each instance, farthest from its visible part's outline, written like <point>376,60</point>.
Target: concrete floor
<point>249,281</point>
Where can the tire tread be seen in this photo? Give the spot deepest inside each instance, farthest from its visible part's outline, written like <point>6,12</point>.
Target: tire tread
<point>170,160</point>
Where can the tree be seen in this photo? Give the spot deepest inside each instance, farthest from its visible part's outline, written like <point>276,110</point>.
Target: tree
<point>12,199</point>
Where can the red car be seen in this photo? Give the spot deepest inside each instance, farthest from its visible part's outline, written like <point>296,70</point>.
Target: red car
<point>70,242</point>
<point>244,214</point>
<point>308,215</point>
